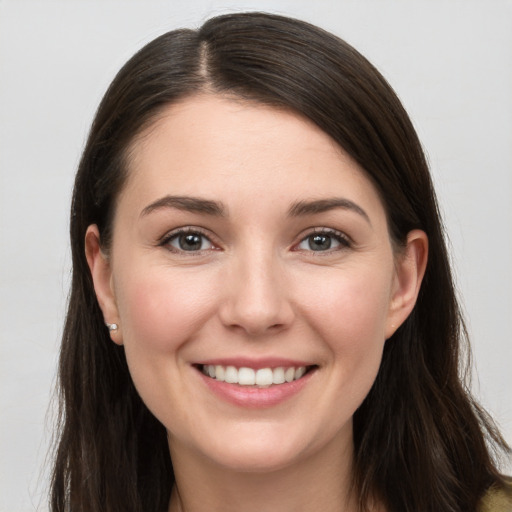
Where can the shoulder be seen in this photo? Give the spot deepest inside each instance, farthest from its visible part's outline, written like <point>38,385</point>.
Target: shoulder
<point>498,499</point>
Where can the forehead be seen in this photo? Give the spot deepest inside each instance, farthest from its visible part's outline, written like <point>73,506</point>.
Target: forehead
<point>226,148</point>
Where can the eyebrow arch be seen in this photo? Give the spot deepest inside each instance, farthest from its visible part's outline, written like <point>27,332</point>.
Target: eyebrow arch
<point>186,203</point>
<point>324,205</point>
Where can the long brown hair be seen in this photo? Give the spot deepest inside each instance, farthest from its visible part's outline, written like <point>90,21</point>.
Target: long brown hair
<point>421,441</point>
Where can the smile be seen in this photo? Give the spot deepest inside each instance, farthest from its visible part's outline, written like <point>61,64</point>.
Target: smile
<point>261,377</point>
<point>255,384</point>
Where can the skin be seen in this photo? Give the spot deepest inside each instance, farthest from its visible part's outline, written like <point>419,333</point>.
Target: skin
<point>254,289</point>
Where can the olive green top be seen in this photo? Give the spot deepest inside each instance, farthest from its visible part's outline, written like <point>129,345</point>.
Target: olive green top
<point>498,499</point>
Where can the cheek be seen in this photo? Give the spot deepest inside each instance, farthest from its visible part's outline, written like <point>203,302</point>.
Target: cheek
<point>354,303</point>
<point>350,315</point>
<point>160,310</point>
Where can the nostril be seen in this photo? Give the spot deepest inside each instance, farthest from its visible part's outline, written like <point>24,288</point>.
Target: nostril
<point>256,310</point>
<point>257,329</point>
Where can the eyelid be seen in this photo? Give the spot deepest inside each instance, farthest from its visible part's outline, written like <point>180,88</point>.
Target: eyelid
<point>345,240</point>
<point>184,230</point>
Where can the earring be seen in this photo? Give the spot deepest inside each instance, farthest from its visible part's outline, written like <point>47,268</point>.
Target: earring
<point>112,327</point>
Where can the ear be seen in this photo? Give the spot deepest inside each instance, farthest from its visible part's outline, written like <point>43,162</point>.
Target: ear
<point>410,268</point>
<point>101,273</point>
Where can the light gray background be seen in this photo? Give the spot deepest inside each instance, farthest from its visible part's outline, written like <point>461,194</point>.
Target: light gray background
<point>449,61</point>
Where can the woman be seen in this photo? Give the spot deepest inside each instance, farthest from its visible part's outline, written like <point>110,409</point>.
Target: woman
<point>262,315</point>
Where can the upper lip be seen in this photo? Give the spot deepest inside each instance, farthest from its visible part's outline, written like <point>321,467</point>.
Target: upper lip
<point>255,363</point>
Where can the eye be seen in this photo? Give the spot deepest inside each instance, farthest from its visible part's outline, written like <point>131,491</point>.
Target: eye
<point>323,241</point>
<point>188,241</point>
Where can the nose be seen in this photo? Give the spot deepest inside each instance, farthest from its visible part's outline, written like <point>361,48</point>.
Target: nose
<point>256,295</point>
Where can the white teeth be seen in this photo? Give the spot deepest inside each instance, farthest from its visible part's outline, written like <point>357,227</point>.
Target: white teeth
<point>219,372</point>
<point>289,374</point>
<point>262,377</point>
<point>278,376</point>
<point>299,372</point>
<point>231,375</point>
<point>246,377</point>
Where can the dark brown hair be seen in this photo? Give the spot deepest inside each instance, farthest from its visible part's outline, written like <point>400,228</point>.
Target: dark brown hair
<point>421,442</point>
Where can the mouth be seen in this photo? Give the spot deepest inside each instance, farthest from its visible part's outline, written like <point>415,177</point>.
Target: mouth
<point>255,377</point>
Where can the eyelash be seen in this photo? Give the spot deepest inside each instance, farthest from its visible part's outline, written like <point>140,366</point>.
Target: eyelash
<point>176,234</point>
<point>343,240</point>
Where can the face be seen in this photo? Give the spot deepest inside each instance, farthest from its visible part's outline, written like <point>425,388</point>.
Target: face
<point>253,280</point>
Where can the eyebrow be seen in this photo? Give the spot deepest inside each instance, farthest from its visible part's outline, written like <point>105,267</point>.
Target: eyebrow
<point>323,205</point>
<point>186,203</point>
<point>208,207</point>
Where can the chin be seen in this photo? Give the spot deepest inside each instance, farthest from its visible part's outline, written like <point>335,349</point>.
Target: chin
<point>255,460</point>
<point>257,448</point>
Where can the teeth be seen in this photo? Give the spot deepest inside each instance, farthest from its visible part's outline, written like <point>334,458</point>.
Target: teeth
<point>264,377</point>
<point>231,374</point>
<point>289,374</point>
<point>246,377</point>
<point>299,372</point>
<point>220,373</point>
<point>278,376</point>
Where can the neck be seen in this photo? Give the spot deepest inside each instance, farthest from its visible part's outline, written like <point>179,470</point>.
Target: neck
<point>322,482</point>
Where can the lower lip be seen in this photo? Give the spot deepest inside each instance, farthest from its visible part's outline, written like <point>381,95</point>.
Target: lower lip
<point>254,397</point>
